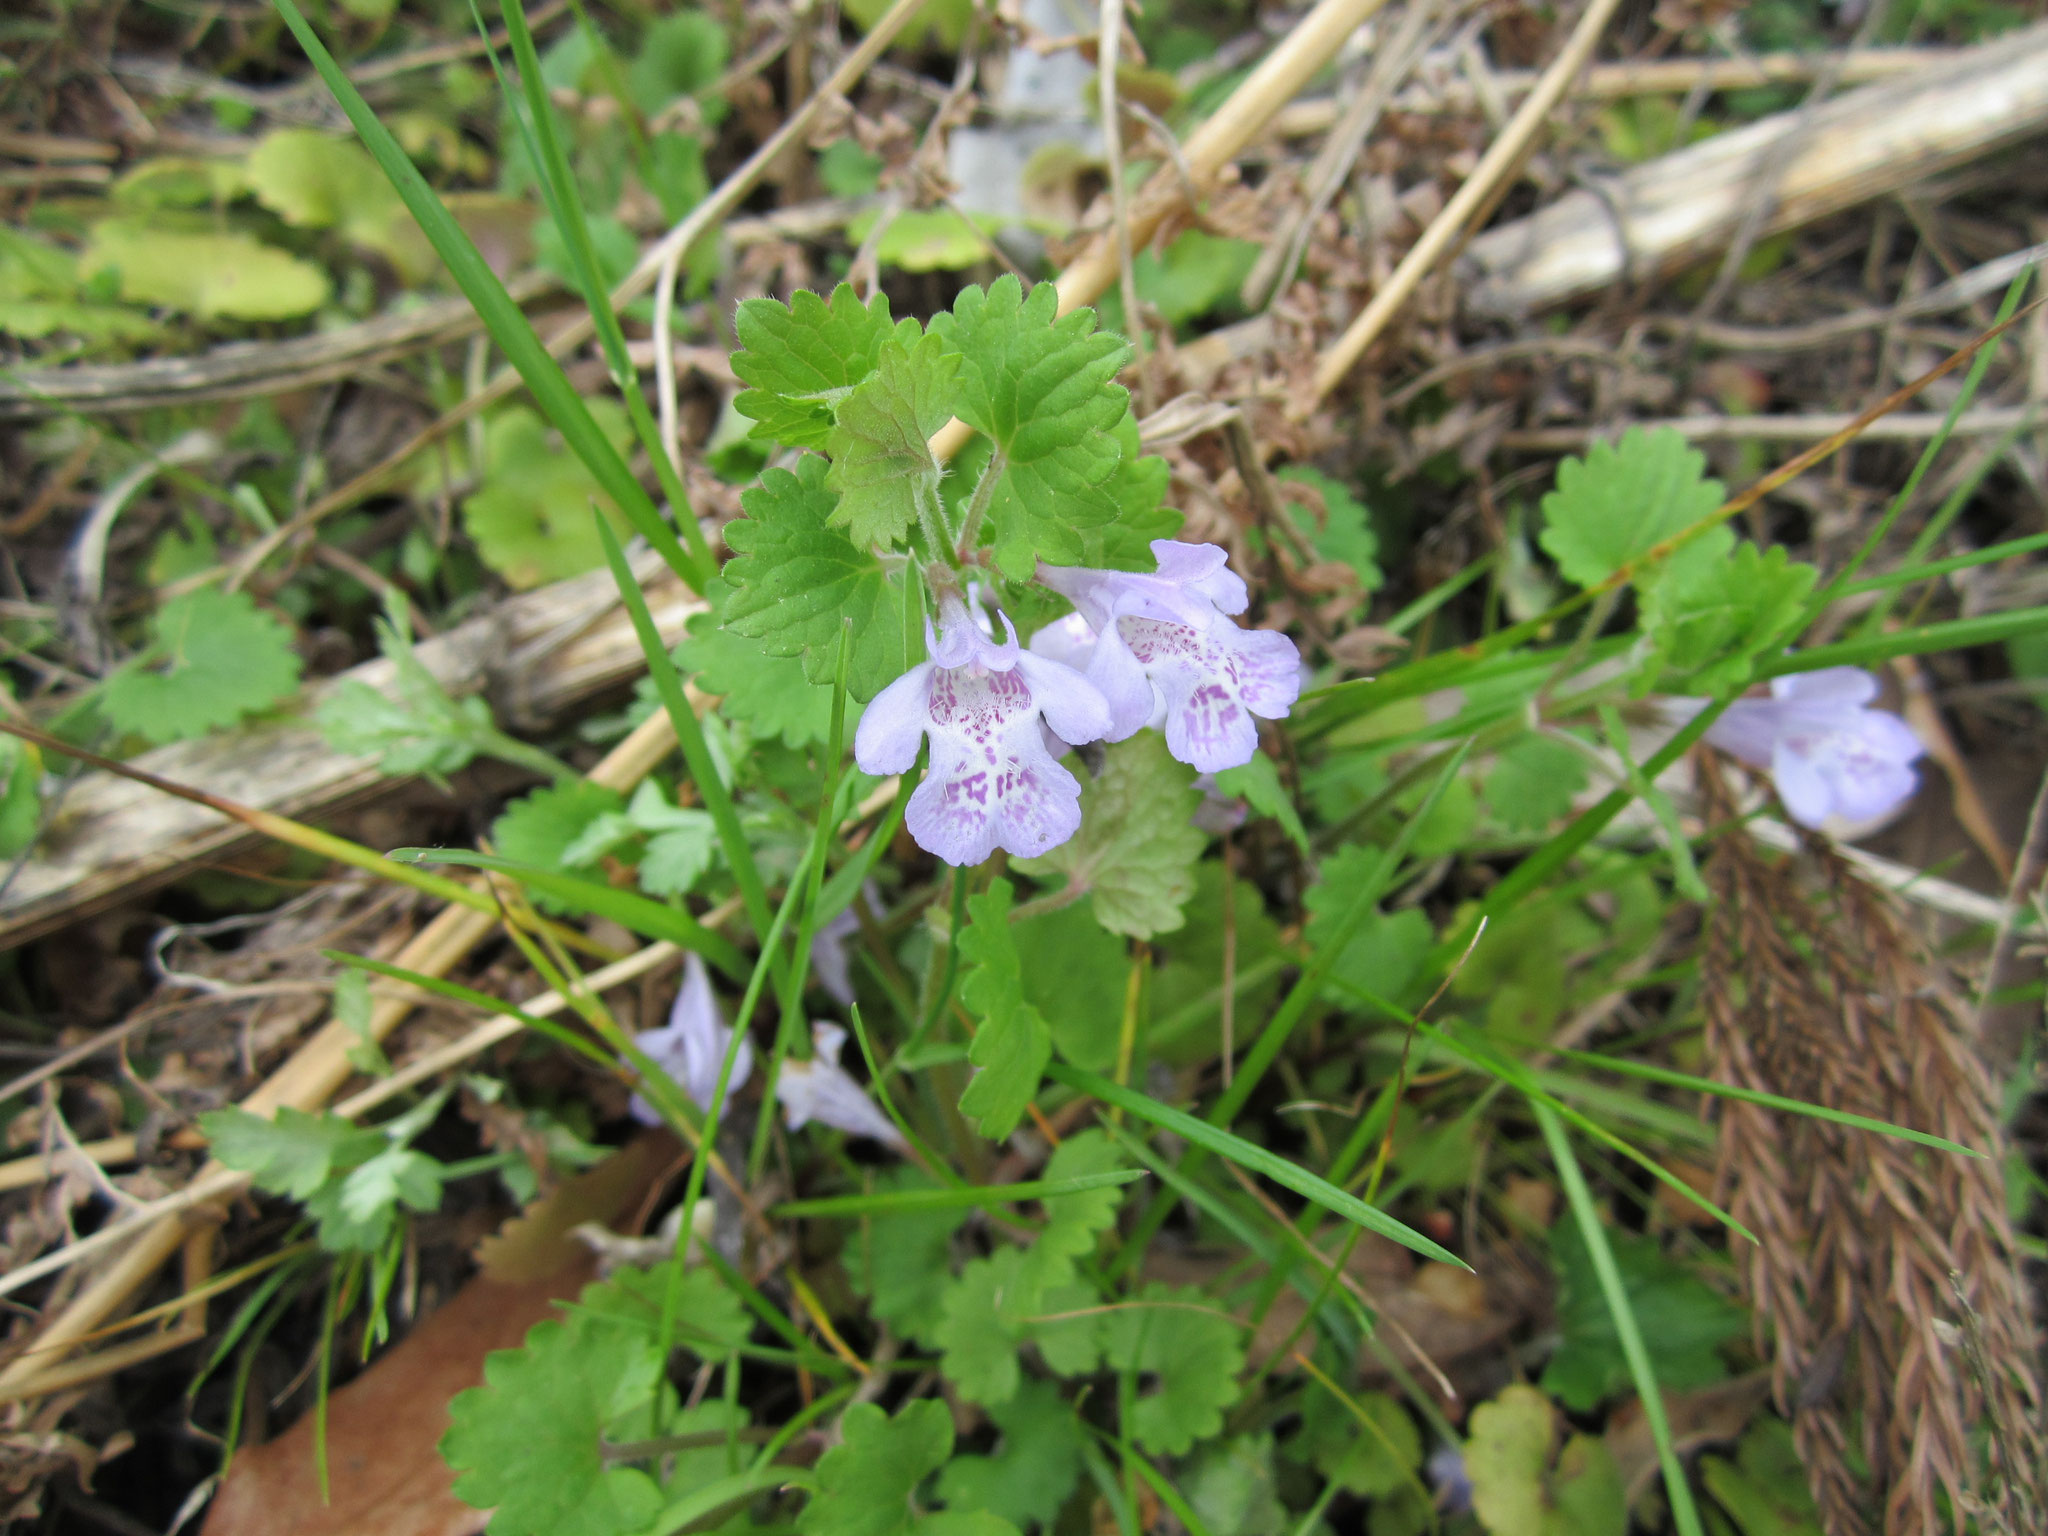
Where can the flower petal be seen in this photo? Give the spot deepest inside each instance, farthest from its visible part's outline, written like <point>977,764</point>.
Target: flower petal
<point>691,1046</point>
<point>892,726</point>
<point>1828,685</point>
<point>1123,684</point>
<point>1202,568</point>
<point>1072,705</point>
<point>821,1090</point>
<point>1801,786</point>
<point>992,783</point>
<point>1748,730</point>
<point>1070,640</point>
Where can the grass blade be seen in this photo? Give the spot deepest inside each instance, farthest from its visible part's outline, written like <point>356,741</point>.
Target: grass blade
<point>643,915</point>
<point>1684,1513</point>
<point>668,687</point>
<point>1671,1079</point>
<point>1256,1158</point>
<point>897,1201</point>
<point>503,318</point>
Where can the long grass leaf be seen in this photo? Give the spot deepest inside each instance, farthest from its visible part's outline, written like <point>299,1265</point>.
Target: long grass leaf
<point>1256,1158</point>
<point>1684,1513</point>
<point>1655,1074</point>
<point>897,1201</point>
<point>668,687</point>
<point>643,915</point>
<point>503,318</point>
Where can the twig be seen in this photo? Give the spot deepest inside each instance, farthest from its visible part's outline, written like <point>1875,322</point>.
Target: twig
<point>1450,225</point>
<point>1656,77</point>
<point>1902,426</point>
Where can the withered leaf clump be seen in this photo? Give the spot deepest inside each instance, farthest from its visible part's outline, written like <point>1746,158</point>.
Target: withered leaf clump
<point>1886,1285</point>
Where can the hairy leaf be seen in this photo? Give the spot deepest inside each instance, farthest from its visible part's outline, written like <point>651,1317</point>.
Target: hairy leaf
<point>213,658</point>
<point>797,581</point>
<point>1622,498</point>
<point>1044,390</point>
<point>864,1483</point>
<point>882,466</point>
<point>803,357</point>
<point>1189,1351</point>
<point>1034,1466</point>
<point>1012,1045</point>
<point>528,1444</point>
<point>1136,850</point>
<point>770,693</point>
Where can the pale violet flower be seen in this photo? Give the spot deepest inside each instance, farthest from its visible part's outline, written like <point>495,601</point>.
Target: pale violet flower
<point>829,962</point>
<point>691,1046</point>
<point>1163,651</point>
<point>821,1090</point>
<point>992,783</point>
<point>1828,752</point>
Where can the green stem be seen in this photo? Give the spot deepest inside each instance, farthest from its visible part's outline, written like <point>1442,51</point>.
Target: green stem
<point>978,504</point>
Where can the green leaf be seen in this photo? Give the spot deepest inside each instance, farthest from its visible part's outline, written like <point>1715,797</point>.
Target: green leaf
<point>528,1443</point>
<point>356,1212</point>
<point>1034,1466</point>
<point>1136,850</point>
<point>979,1331</point>
<point>797,582</point>
<point>1515,1491</point>
<point>1387,951</point>
<point>1074,974</point>
<point>210,274</point>
<point>435,737</point>
<point>1344,533</point>
<point>803,357</point>
<point>1013,1044</point>
<point>771,694</point>
<point>1231,1487</point>
<point>1188,1352</point>
<point>1371,1459</point>
<point>680,55</point>
<point>1195,273</point>
<point>1684,1321</point>
<point>1073,1222</point>
<point>541,827</point>
<point>1705,629</point>
<point>1258,783</point>
<point>530,519</point>
<point>1622,498</point>
<point>315,181</point>
<point>882,465</point>
<point>1137,488</point>
<point>1764,1490</point>
<point>21,805</point>
<point>213,658</point>
<point>294,1154</point>
<point>1532,782</point>
<point>1044,390</point>
<point>863,1484</point>
<point>713,1321</point>
<point>903,1262</point>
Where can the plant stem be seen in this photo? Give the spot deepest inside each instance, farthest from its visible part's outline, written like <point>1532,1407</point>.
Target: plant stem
<point>978,504</point>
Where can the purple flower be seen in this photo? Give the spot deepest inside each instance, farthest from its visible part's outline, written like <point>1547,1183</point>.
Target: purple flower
<point>993,783</point>
<point>1164,645</point>
<point>829,961</point>
<point>820,1090</point>
<point>691,1046</point>
<point>1828,753</point>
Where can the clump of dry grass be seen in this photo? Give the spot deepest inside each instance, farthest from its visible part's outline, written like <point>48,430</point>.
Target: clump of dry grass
<point>1886,1287</point>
